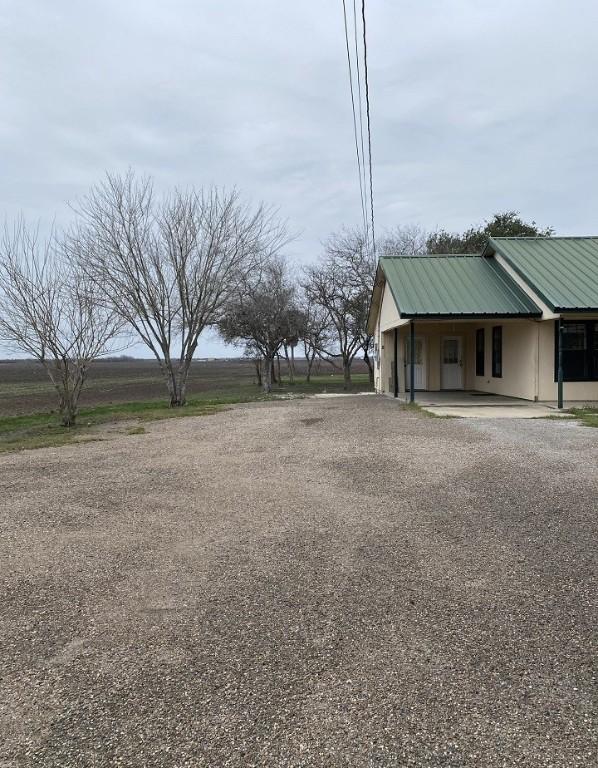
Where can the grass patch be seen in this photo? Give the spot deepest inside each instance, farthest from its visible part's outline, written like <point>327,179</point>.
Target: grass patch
<point>587,416</point>
<point>41,430</point>
<point>420,410</point>
<point>136,430</point>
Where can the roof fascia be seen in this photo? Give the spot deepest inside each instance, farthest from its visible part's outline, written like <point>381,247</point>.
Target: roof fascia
<point>392,293</point>
<point>473,316</point>
<point>376,300</point>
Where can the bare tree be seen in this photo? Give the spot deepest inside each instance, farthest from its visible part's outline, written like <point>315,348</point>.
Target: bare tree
<point>51,311</point>
<point>410,240</point>
<point>251,353</point>
<point>170,266</point>
<point>316,334</point>
<point>296,322</point>
<point>341,285</point>
<point>261,314</point>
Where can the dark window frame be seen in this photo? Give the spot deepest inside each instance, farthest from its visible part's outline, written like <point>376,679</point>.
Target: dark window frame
<point>591,351</point>
<point>480,352</point>
<point>497,351</point>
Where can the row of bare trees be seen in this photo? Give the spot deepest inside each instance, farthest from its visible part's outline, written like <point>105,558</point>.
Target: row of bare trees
<point>133,265</point>
<point>323,307</point>
<point>51,311</point>
<point>162,269</point>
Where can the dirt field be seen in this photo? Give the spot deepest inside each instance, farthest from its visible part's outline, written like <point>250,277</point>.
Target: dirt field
<point>25,388</point>
<point>312,583</point>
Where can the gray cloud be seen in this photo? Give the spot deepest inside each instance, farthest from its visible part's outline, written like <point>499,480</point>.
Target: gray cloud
<point>476,106</point>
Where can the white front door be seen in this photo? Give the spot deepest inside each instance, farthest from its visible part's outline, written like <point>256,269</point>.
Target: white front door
<point>451,362</point>
<point>419,369</point>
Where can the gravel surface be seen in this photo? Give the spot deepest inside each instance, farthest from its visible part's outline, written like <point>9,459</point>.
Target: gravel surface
<point>308,583</point>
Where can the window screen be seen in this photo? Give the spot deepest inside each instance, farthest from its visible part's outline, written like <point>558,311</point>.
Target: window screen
<point>497,351</point>
<point>480,351</point>
<point>580,350</point>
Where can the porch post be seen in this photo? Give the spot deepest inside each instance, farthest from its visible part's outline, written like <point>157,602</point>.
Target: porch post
<point>395,372</point>
<point>412,371</point>
<point>560,363</point>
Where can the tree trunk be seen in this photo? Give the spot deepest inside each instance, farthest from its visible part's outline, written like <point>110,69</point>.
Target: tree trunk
<point>278,367</point>
<point>310,362</point>
<point>273,379</point>
<point>177,384</point>
<point>176,391</point>
<point>68,380</point>
<point>346,374</point>
<point>292,366</point>
<point>74,378</point>
<point>68,410</point>
<point>288,359</point>
<point>267,370</point>
<point>370,365</point>
<point>258,370</point>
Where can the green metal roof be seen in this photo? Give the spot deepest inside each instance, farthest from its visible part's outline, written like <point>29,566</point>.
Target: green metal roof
<point>454,286</point>
<point>562,271</point>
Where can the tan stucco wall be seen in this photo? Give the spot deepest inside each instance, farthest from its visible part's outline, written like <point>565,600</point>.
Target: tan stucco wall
<point>388,319</point>
<point>389,315</point>
<point>519,360</point>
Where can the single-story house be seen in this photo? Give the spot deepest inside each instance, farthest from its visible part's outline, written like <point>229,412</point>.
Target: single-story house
<point>519,319</point>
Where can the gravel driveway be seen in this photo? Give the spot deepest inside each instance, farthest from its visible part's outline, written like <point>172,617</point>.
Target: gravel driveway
<point>308,583</point>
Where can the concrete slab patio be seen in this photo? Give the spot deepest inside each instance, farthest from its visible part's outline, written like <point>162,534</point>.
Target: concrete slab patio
<point>479,405</point>
<point>318,582</point>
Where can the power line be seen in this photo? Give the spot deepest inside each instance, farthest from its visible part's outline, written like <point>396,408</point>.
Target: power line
<point>367,107</point>
<point>362,193</point>
<point>360,100</point>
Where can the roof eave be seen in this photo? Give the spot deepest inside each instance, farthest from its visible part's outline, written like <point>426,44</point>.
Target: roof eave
<point>468,315</point>
<point>574,310</point>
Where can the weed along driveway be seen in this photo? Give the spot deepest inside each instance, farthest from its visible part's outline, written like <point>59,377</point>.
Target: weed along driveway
<point>321,582</point>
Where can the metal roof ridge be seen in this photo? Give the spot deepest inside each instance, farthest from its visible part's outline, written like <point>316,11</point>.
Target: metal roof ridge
<point>433,256</point>
<point>543,237</point>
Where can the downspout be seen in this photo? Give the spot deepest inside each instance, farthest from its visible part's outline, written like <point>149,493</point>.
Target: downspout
<point>537,377</point>
<point>560,365</point>
<point>412,371</point>
<point>395,372</point>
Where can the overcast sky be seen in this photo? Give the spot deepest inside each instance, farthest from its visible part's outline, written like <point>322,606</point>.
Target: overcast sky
<point>477,106</point>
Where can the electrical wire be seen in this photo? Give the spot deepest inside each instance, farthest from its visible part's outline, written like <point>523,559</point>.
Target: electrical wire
<point>367,106</point>
<point>360,100</point>
<point>362,191</point>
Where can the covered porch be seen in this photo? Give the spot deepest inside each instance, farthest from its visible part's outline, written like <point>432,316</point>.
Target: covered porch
<point>464,359</point>
<point>466,324</point>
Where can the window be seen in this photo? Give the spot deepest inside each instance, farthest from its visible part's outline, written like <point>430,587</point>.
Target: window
<point>450,351</point>
<point>497,351</point>
<point>480,351</point>
<point>419,350</point>
<point>580,350</point>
